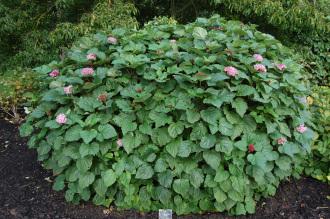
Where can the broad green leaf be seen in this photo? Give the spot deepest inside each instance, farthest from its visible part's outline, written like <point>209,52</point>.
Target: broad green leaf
<point>89,149</point>
<point>196,178</point>
<point>86,179</point>
<point>109,177</point>
<point>192,116</point>
<point>219,195</point>
<point>107,131</point>
<point>208,141</point>
<point>175,129</point>
<point>73,133</point>
<point>200,33</point>
<point>144,172</point>
<point>212,158</point>
<point>240,105</point>
<point>181,186</point>
<point>84,164</point>
<point>88,135</point>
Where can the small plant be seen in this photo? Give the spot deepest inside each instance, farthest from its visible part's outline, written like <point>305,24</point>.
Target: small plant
<point>16,88</point>
<point>319,163</point>
<point>195,118</point>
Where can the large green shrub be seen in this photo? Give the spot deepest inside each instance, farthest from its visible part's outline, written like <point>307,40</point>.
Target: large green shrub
<point>173,116</point>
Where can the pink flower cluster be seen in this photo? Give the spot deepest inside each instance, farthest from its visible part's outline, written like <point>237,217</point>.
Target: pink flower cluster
<point>281,66</point>
<point>301,128</point>
<point>54,73</point>
<point>119,142</point>
<point>87,71</point>
<point>91,56</point>
<point>112,40</point>
<point>281,140</point>
<point>260,68</point>
<point>231,71</point>
<point>68,89</point>
<point>258,57</point>
<point>61,118</point>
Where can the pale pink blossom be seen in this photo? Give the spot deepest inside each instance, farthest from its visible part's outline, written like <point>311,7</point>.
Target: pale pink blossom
<point>281,140</point>
<point>68,89</point>
<point>231,71</point>
<point>87,71</point>
<point>281,66</point>
<point>54,73</point>
<point>301,128</point>
<point>112,40</point>
<point>91,56</point>
<point>258,57</point>
<point>260,68</point>
<point>173,41</point>
<point>119,142</point>
<point>61,118</point>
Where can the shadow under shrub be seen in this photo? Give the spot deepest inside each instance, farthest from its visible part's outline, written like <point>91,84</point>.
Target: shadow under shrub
<point>198,117</point>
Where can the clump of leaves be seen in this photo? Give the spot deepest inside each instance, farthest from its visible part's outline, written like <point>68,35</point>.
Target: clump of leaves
<point>17,87</point>
<point>198,117</point>
<point>319,163</point>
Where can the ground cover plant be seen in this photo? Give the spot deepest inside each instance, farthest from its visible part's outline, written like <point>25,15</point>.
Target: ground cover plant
<point>200,117</point>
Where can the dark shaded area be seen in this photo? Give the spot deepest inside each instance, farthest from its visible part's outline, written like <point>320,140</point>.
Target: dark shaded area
<point>26,193</point>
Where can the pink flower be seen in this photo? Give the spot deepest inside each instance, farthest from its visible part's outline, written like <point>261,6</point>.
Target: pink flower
<point>68,89</point>
<point>120,142</point>
<point>281,140</point>
<point>258,57</point>
<point>87,71</point>
<point>281,66</point>
<point>61,118</point>
<point>260,68</point>
<point>112,40</point>
<point>231,71</point>
<point>54,73</point>
<point>91,56</point>
<point>301,128</point>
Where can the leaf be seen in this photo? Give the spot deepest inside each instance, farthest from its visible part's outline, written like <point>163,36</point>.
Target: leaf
<point>208,141</point>
<point>130,142</point>
<point>88,135</point>
<point>84,164</point>
<point>107,131</point>
<point>86,179</point>
<point>175,129</point>
<point>240,105</point>
<point>59,183</point>
<point>290,149</point>
<point>221,175</point>
<point>89,149</point>
<point>100,187</point>
<point>199,33</point>
<point>25,130</point>
<point>284,129</point>
<point>165,178</point>
<point>73,133</point>
<point>109,177</point>
<point>219,195</point>
<point>212,159</point>
<point>173,147</point>
<point>196,178</point>
<point>160,118</point>
<point>192,115</point>
<point>284,163</point>
<point>184,149</point>
<point>144,172</point>
<point>225,127</point>
<point>181,186</point>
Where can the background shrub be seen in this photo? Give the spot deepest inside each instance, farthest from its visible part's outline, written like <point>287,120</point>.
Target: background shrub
<point>198,117</point>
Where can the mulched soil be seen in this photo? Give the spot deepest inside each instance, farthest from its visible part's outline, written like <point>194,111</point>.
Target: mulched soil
<point>26,193</point>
